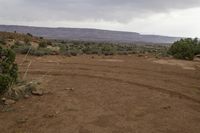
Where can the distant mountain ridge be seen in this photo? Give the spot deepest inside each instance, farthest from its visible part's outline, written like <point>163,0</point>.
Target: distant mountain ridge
<point>88,34</point>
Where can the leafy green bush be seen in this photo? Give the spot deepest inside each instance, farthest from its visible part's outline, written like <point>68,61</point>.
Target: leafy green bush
<point>185,49</point>
<point>8,69</point>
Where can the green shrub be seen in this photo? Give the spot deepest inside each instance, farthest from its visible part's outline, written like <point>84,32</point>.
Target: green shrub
<point>5,81</point>
<point>196,46</point>
<point>8,69</point>
<point>185,49</point>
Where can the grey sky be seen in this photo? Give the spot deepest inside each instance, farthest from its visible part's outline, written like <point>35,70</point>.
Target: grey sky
<point>166,17</point>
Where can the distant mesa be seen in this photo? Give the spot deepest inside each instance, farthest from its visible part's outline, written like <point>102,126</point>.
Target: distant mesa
<point>88,34</point>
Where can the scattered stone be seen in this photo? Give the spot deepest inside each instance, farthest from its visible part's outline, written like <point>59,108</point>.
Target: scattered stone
<point>198,56</point>
<point>3,99</point>
<point>37,92</point>
<point>36,89</point>
<point>57,112</point>
<point>26,96</point>
<point>9,102</point>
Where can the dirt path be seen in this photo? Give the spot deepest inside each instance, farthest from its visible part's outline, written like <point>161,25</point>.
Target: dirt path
<point>121,94</point>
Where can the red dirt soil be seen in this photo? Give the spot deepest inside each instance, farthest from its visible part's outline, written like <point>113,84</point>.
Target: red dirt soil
<point>118,94</point>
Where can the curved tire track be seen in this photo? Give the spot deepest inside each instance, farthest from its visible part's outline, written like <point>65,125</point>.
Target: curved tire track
<point>174,73</point>
<point>158,89</point>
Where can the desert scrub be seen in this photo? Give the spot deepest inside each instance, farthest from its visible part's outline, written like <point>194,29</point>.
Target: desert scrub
<point>26,49</point>
<point>2,41</point>
<point>185,49</point>
<point>8,69</point>
<point>40,51</point>
<point>22,49</point>
<point>43,44</point>
<point>108,50</point>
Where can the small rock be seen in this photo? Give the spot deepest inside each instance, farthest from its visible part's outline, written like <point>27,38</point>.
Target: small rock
<point>198,56</point>
<point>9,102</point>
<point>3,99</point>
<point>57,112</point>
<point>37,92</point>
<point>26,96</point>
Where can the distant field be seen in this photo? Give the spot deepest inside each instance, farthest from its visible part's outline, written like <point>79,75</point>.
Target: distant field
<point>108,94</point>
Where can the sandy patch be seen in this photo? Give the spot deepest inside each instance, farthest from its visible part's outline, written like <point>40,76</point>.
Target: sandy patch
<point>187,65</point>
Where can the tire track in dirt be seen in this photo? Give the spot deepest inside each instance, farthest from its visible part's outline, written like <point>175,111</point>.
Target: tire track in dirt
<point>158,89</point>
<point>169,73</point>
<point>138,73</point>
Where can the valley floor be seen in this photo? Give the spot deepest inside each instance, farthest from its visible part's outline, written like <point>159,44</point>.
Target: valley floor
<point>118,94</point>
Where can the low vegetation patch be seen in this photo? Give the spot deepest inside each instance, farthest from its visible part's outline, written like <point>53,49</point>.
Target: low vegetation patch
<point>185,49</point>
<point>28,44</point>
<point>107,48</point>
<point>8,69</point>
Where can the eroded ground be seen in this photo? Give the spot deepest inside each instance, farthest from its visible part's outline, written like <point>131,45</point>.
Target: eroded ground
<point>120,94</point>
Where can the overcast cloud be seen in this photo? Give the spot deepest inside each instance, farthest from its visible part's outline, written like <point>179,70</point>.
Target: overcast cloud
<point>167,17</point>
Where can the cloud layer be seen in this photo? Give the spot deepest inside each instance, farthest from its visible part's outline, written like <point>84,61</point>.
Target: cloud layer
<point>166,16</point>
<point>109,10</point>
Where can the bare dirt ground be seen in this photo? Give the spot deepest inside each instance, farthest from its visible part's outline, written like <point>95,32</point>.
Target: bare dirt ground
<point>120,94</point>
